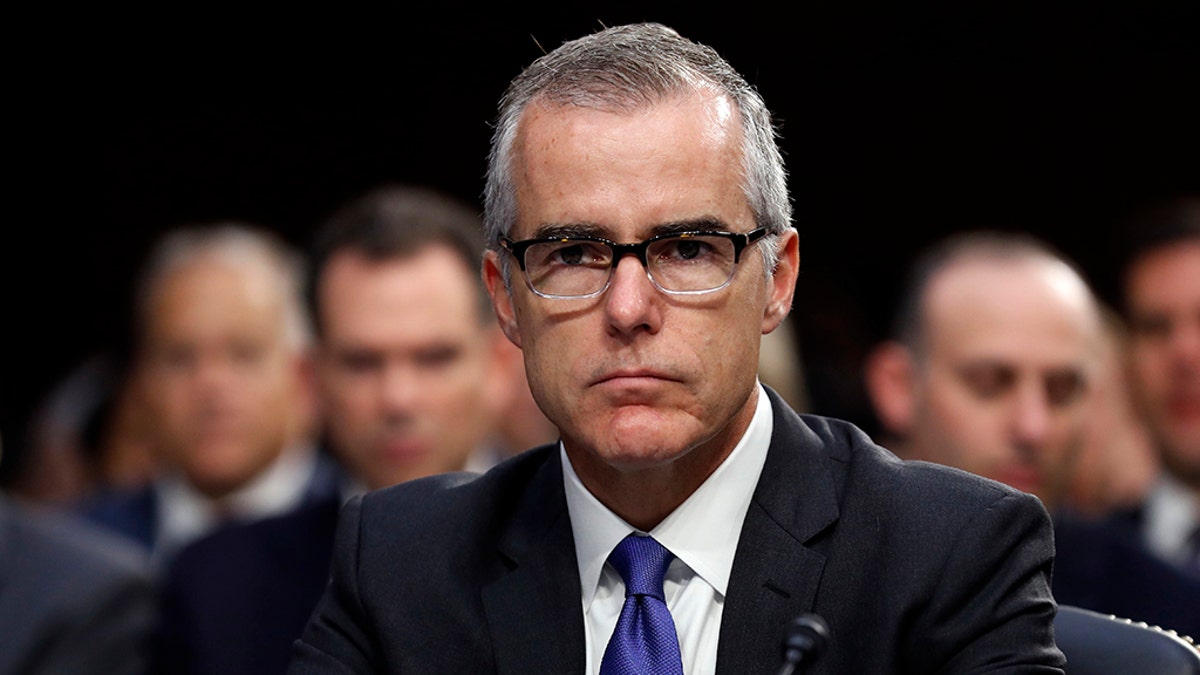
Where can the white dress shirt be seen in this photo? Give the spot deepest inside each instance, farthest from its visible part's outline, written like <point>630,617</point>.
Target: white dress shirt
<point>1172,515</point>
<point>702,533</point>
<point>184,514</point>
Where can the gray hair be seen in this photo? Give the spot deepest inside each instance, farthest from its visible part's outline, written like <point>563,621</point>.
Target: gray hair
<point>627,68</point>
<point>239,244</point>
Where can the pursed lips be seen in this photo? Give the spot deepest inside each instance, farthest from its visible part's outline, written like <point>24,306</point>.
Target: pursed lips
<point>633,374</point>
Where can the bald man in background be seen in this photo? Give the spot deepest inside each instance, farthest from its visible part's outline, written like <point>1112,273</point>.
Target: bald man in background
<point>997,341</point>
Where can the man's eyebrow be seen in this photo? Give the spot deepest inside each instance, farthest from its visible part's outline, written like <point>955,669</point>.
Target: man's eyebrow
<point>704,224</point>
<point>568,230</point>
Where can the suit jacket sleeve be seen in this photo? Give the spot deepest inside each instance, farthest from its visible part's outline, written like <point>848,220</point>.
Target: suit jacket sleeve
<point>993,610</point>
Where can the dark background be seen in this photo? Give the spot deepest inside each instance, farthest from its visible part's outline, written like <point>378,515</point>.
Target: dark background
<point>899,124</point>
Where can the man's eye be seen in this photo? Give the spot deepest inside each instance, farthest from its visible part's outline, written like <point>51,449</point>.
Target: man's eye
<point>359,362</point>
<point>988,381</point>
<point>1151,326</point>
<point>569,255</point>
<point>438,356</point>
<point>1064,388</point>
<point>685,249</point>
<point>575,254</point>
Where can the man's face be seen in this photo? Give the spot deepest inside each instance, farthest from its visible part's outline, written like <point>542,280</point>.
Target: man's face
<point>1000,393</point>
<point>1162,292</point>
<point>405,361</point>
<point>636,378</point>
<point>223,385</point>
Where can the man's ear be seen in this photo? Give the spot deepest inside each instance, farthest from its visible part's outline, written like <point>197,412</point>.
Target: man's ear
<point>493,280</point>
<point>890,376</point>
<point>783,281</point>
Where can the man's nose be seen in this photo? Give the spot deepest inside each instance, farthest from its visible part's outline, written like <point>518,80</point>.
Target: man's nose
<point>398,387</point>
<point>632,303</point>
<point>1032,416</point>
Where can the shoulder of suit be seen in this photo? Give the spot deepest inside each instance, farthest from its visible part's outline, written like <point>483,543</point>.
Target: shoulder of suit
<point>65,545</point>
<point>460,496</point>
<point>871,465</point>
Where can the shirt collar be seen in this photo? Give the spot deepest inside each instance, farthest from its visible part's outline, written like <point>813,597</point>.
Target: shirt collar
<point>1173,512</point>
<point>185,513</point>
<point>697,532</point>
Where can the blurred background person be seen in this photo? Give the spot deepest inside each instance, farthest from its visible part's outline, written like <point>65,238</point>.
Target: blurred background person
<point>519,423</point>
<point>220,364</point>
<point>89,433</point>
<point>74,600</point>
<point>997,342</point>
<point>56,468</point>
<point>1117,462</point>
<point>1160,295</point>
<point>414,379</point>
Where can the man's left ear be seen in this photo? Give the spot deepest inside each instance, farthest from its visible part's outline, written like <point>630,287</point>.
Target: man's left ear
<point>783,281</point>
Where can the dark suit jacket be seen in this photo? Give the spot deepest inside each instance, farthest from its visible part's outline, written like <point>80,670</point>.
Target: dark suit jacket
<point>132,513</point>
<point>73,600</point>
<point>236,600</point>
<point>1098,568</point>
<point>917,568</point>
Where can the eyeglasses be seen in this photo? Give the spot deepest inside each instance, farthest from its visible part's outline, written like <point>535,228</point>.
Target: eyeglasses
<point>681,263</point>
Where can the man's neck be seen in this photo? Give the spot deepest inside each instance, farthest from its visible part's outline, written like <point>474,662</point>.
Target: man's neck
<point>644,496</point>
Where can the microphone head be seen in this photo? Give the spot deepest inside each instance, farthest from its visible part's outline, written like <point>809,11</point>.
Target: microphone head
<point>806,639</point>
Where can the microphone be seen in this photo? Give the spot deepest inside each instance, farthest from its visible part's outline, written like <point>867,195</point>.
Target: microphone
<point>805,640</point>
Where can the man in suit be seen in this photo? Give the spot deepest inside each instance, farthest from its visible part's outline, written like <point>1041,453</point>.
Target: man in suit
<point>410,364</point>
<point>992,366</point>
<point>1160,293</point>
<point>220,364</point>
<point>640,246</point>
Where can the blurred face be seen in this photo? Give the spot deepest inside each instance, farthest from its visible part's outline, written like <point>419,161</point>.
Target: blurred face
<point>1163,297</point>
<point>637,379</point>
<point>1000,393</point>
<point>404,365</point>
<point>220,381</point>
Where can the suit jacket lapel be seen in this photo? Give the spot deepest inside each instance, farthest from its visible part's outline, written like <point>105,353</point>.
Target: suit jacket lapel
<point>775,575</point>
<point>533,609</point>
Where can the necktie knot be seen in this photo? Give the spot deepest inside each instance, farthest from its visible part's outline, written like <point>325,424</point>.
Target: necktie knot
<point>642,563</point>
<point>644,640</point>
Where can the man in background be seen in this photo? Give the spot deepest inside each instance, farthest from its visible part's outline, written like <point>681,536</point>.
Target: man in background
<point>1160,293</point>
<point>997,341</point>
<point>412,381</point>
<point>220,364</point>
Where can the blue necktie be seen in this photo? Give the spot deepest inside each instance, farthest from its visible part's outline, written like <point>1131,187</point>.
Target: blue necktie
<point>644,642</point>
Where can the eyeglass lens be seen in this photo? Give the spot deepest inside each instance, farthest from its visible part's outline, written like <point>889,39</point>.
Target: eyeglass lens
<point>575,267</point>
